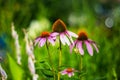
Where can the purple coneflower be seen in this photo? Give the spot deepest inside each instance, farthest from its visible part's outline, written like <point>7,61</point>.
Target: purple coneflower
<point>65,35</point>
<point>83,38</point>
<point>68,71</point>
<point>45,36</point>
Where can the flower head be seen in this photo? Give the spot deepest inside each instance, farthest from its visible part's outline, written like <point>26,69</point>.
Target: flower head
<point>65,35</point>
<point>68,71</point>
<point>83,38</point>
<point>59,26</point>
<point>46,36</point>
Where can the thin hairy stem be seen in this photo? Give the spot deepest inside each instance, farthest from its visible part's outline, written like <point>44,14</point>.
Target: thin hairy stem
<point>50,60</point>
<point>60,58</point>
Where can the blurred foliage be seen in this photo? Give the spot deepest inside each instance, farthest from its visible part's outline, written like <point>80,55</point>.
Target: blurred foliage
<point>80,14</point>
<point>16,71</point>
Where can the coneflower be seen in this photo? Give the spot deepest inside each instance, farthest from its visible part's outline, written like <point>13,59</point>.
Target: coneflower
<point>83,38</point>
<point>65,37</point>
<point>68,71</point>
<point>64,34</point>
<point>44,37</point>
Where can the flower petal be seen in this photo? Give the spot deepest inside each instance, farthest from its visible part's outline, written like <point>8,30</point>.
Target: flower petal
<point>42,42</point>
<point>95,47</point>
<point>37,40</point>
<point>89,48</point>
<point>79,46</point>
<point>66,40</point>
<point>72,34</point>
<point>62,39</point>
<point>63,72</point>
<point>69,36</point>
<point>71,39</point>
<point>54,34</point>
<point>70,74</point>
<point>72,45</point>
<point>51,40</point>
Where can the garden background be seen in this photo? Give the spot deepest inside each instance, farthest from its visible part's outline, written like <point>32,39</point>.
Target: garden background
<point>100,18</point>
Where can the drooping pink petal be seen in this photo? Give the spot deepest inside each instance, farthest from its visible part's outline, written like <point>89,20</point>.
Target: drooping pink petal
<point>54,34</point>
<point>63,72</point>
<point>79,46</point>
<point>62,38</point>
<point>39,43</point>
<point>37,40</point>
<point>70,74</point>
<point>72,34</point>
<point>89,48</point>
<point>71,39</point>
<point>42,42</point>
<point>95,47</point>
<point>51,40</point>
<point>66,40</point>
<point>54,38</point>
<point>72,46</point>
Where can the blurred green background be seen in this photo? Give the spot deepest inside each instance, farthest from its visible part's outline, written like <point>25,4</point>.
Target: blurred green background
<point>100,18</point>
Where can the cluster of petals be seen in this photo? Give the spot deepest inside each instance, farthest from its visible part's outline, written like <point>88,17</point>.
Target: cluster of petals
<point>65,36</point>
<point>59,29</point>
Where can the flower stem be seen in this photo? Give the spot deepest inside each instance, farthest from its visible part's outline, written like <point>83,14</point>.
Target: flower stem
<point>60,58</point>
<point>50,60</point>
<point>81,65</point>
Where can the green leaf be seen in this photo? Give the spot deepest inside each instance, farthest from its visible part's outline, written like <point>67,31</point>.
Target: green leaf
<point>16,70</point>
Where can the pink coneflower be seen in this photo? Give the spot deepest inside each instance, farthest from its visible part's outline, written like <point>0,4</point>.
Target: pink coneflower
<point>46,36</point>
<point>65,35</point>
<point>68,71</point>
<point>83,38</point>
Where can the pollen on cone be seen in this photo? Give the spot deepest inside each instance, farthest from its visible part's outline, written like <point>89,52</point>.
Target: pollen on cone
<point>69,70</point>
<point>82,35</point>
<point>45,34</point>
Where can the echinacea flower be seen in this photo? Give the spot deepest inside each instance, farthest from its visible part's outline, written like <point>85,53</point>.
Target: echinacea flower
<point>83,38</point>
<point>68,71</point>
<point>65,35</point>
<point>45,36</point>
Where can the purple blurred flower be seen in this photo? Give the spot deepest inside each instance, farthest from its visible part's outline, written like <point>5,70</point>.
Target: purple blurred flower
<point>65,35</point>
<point>83,38</point>
<point>46,36</point>
<point>68,71</point>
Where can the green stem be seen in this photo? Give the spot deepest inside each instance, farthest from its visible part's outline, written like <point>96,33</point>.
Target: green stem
<point>60,58</point>
<point>81,65</point>
<point>50,60</point>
